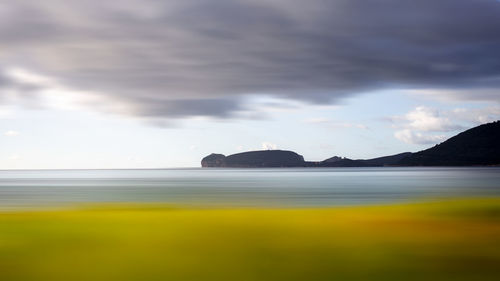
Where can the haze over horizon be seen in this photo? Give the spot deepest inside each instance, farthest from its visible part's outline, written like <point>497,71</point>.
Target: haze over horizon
<point>153,84</point>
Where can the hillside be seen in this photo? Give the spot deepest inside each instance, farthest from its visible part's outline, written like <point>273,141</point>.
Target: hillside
<point>477,146</point>
<point>375,162</point>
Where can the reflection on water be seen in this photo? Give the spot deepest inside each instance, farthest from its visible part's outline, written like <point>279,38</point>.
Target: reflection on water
<point>244,187</point>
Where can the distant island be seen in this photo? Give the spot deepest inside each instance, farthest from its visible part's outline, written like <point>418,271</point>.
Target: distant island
<point>479,146</point>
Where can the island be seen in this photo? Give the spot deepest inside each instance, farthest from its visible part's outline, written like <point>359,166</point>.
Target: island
<point>254,159</point>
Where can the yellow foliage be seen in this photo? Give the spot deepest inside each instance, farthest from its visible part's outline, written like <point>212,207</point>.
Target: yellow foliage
<point>446,240</point>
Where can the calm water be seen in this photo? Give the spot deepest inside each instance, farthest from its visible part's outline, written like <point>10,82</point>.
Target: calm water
<point>244,187</point>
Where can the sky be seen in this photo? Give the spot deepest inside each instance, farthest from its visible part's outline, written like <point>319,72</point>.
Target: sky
<point>159,84</point>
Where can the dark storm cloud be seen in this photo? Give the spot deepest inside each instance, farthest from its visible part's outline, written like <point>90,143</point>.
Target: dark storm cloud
<point>195,57</point>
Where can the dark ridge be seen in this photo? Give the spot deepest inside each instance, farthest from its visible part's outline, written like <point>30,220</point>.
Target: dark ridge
<point>477,146</point>
<point>375,162</point>
<point>333,159</point>
<point>387,160</point>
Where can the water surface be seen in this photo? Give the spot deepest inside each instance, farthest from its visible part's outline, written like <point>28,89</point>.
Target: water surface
<point>244,187</point>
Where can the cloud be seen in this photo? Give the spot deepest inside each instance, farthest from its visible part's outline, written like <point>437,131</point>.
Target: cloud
<point>447,95</point>
<point>410,137</point>
<point>11,133</point>
<point>426,125</point>
<point>181,58</point>
<point>269,146</point>
<point>476,116</point>
<point>428,119</point>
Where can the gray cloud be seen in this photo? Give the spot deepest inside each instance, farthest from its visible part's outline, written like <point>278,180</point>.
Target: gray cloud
<point>194,57</point>
<point>220,108</point>
<point>18,92</point>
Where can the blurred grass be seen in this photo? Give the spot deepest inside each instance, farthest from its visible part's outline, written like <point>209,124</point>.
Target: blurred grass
<point>447,240</point>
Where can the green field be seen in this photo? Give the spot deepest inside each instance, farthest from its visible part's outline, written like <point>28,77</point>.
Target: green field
<point>447,240</point>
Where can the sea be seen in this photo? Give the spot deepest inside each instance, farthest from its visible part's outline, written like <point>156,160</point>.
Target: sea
<point>278,187</point>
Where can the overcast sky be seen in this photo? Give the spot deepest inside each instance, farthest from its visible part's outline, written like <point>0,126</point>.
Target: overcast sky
<point>150,83</point>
